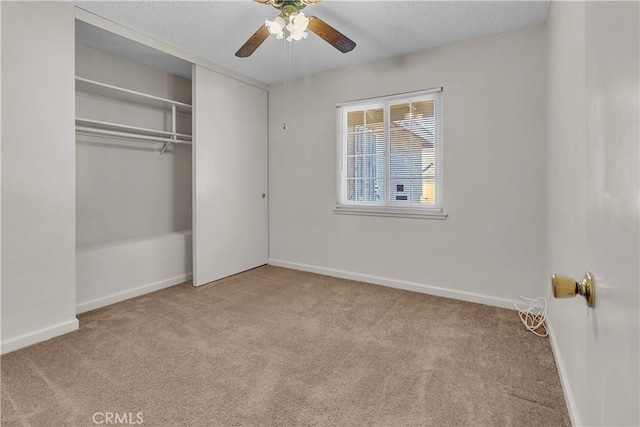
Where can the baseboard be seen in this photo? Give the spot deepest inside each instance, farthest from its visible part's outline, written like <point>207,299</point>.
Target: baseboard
<point>131,293</point>
<point>399,284</point>
<point>564,378</point>
<point>38,336</point>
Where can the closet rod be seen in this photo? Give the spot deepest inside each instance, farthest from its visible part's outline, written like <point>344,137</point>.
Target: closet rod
<point>146,138</point>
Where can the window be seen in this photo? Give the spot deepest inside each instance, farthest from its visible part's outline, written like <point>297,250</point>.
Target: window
<point>390,155</point>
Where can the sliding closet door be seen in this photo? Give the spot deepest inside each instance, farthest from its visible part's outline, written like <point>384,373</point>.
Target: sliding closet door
<point>229,176</point>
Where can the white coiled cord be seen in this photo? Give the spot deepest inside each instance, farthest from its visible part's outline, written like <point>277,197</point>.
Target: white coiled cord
<point>533,316</point>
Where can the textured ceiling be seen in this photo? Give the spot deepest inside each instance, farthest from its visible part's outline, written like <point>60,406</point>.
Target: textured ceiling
<point>214,30</point>
<point>103,40</point>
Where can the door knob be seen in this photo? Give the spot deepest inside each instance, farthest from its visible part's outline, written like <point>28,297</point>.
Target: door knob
<point>566,287</point>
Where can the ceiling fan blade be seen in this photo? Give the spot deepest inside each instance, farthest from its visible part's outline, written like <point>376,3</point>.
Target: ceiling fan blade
<point>329,34</point>
<point>253,43</point>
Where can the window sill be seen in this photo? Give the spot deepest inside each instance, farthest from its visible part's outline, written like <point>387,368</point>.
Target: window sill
<point>389,212</point>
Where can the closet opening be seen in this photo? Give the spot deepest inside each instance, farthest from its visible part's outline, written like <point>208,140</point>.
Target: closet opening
<point>133,168</point>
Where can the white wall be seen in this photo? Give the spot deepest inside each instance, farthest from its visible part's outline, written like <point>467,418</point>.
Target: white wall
<point>491,247</point>
<point>38,172</point>
<point>593,214</point>
<point>117,271</point>
<point>134,210</point>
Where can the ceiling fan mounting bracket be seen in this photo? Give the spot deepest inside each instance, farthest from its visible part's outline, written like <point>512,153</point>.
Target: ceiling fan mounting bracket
<point>280,4</point>
<point>289,7</point>
<point>289,10</point>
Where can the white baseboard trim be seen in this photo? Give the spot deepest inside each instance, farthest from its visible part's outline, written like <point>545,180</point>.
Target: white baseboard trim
<point>399,284</point>
<point>564,378</point>
<point>131,293</point>
<point>25,340</point>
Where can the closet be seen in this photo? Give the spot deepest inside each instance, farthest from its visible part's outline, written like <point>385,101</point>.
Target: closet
<point>171,178</point>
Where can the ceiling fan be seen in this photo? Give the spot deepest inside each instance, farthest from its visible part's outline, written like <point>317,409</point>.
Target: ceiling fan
<point>294,22</point>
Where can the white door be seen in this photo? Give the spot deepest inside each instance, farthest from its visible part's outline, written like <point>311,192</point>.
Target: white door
<point>612,209</point>
<point>229,176</point>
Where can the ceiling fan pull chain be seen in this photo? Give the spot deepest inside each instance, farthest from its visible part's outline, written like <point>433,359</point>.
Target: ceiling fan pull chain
<point>286,84</point>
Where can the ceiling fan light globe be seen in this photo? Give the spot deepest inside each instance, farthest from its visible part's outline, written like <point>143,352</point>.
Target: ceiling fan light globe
<point>298,23</point>
<point>297,26</point>
<point>298,35</point>
<point>276,26</point>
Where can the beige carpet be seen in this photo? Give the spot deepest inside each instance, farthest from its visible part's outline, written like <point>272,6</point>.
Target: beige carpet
<point>277,347</point>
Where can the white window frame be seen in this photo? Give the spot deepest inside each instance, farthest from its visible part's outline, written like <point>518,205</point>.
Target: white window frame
<point>385,208</point>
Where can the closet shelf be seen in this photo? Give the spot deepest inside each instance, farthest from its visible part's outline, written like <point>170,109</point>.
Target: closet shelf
<point>128,95</point>
<point>87,125</point>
